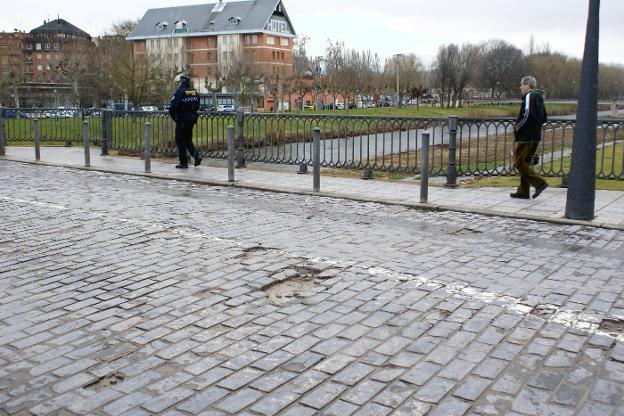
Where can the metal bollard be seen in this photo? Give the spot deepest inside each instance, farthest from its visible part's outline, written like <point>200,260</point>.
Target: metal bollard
<point>451,175</point>
<point>85,140</point>
<point>107,126</point>
<point>316,159</point>
<point>240,155</point>
<point>147,149</point>
<point>2,139</point>
<point>231,151</point>
<point>37,139</point>
<point>424,169</point>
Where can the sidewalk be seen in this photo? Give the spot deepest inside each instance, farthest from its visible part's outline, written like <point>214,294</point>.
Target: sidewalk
<point>550,206</point>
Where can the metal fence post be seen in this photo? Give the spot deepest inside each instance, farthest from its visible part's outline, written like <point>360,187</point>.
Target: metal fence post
<point>451,174</point>
<point>316,159</point>
<point>240,154</point>
<point>231,151</point>
<point>37,139</point>
<point>85,140</point>
<point>2,139</point>
<point>424,169</point>
<point>105,131</point>
<point>147,149</point>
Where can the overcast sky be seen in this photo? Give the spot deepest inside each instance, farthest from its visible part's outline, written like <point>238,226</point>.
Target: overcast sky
<point>385,27</point>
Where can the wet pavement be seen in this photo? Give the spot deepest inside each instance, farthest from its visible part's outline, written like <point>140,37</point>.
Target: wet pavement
<point>550,206</point>
<point>134,295</point>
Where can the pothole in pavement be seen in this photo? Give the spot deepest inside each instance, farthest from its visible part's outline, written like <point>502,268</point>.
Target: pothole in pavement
<point>297,283</point>
<point>612,325</point>
<point>544,311</point>
<point>105,382</point>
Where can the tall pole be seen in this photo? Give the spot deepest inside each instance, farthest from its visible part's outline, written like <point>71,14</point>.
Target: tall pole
<point>582,178</point>
<point>398,98</point>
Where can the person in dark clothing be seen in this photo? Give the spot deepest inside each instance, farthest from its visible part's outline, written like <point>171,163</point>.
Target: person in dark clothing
<point>183,110</point>
<point>528,134</point>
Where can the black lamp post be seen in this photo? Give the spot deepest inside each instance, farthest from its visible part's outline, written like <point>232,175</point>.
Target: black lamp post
<point>582,178</point>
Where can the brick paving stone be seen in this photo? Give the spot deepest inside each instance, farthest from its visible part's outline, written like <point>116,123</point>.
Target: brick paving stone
<point>420,373</point>
<point>363,392</point>
<point>530,401</point>
<point>202,400</point>
<point>322,395</point>
<point>395,394</point>
<point>127,402</point>
<point>239,379</point>
<point>307,381</point>
<point>275,402</point>
<point>171,398</point>
<point>239,400</point>
<point>434,390</point>
<point>273,380</point>
<point>471,388</point>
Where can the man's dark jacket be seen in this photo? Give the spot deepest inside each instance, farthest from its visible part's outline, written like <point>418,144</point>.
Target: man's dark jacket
<point>531,117</point>
<point>184,105</point>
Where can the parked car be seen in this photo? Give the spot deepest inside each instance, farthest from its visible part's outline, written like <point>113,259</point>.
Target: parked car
<point>150,108</point>
<point>340,106</point>
<point>226,108</point>
<point>13,114</point>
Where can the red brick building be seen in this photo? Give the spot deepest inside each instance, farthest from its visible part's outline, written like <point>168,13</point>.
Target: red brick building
<point>204,40</point>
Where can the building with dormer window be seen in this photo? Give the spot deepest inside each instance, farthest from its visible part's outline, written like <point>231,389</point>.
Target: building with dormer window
<point>203,41</point>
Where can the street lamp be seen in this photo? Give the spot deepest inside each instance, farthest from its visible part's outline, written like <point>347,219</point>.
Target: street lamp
<point>397,57</point>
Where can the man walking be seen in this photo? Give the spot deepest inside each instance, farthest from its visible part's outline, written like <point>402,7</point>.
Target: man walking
<point>528,133</point>
<point>183,110</point>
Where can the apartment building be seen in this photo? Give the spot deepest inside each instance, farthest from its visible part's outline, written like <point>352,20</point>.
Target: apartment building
<point>206,40</point>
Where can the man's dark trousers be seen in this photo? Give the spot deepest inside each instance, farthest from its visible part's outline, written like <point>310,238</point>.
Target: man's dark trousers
<point>184,141</point>
<point>522,161</point>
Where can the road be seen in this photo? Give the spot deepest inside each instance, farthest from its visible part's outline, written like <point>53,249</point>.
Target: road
<point>133,296</point>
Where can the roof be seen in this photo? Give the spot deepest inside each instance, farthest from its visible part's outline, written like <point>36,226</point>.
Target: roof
<point>250,16</point>
<point>60,26</point>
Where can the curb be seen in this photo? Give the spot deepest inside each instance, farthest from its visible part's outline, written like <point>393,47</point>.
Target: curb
<point>414,205</point>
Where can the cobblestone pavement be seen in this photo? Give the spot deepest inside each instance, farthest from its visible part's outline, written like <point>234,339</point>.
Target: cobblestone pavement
<point>136,296</point>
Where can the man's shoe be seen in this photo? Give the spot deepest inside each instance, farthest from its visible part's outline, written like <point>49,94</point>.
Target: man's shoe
<point>198,161</point>
<point>181,166</point>
<point>539,190</point>
<point>518,196</point>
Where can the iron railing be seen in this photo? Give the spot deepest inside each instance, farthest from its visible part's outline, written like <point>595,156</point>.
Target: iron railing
<point>389,144</point>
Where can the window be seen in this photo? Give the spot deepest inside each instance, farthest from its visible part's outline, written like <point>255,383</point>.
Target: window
<point>47,46</point>
<point>284,42</point>
<point>56,47</point>
<point>254,39</point>
<point>39,67</point>
<point>49,67</point>
<point>39,56</point>
<point>270,40</point>
<point>38,47</point>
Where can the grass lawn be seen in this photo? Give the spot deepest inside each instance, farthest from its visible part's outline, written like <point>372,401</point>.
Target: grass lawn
<point>428,111</point>
<point>610,157</point>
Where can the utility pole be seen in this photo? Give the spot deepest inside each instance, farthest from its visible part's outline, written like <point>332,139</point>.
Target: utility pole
<point>582,178</point>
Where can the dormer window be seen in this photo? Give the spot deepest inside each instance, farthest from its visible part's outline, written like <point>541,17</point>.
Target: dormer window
<point>234,20</point>
<point>180,26</point>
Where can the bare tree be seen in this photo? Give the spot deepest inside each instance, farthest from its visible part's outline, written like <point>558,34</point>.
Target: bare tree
<point>141,76</point>
<point>407,70</point>
<point>12,76</point>
<point>245,76</point>
<point>501,66</point>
